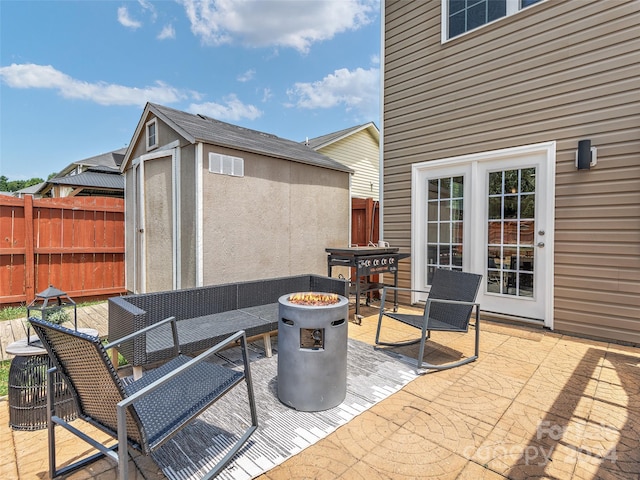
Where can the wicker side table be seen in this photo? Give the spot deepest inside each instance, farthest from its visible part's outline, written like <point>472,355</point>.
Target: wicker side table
<point>28,386</point>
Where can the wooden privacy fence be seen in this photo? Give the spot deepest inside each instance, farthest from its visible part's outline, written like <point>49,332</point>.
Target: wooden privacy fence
<point>75,244</point>
<point>365,223</point>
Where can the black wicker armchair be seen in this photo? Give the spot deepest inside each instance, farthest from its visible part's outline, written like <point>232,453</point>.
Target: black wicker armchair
<point>448,308</point>
<point>144,413</point>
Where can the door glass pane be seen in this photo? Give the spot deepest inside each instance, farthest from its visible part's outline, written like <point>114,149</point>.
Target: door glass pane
<point>527,206</point>
<point>511,227</point>
<point>528,180</point>
<point>495,207</point>
<point>456,233</point>
<point>445,211</point>
<point>433,189</point>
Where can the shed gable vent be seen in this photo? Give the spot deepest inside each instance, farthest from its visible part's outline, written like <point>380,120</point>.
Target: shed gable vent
<point>226,165</point>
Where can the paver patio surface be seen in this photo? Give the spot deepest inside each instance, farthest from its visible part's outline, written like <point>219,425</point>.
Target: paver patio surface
<point>536,404</point>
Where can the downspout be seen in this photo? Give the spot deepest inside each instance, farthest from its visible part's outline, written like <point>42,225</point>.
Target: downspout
<point>381,138</point>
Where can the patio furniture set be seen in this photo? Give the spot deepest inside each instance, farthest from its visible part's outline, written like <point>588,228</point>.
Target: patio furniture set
<point>161,330</point>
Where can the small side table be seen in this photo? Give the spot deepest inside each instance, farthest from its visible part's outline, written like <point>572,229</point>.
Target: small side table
<point>28,385</point>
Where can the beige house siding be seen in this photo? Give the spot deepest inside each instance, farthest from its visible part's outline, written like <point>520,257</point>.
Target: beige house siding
<point>557,71</point>
<point>360,152</point>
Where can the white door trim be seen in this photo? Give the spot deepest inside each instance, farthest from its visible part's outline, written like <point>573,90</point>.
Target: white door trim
<point>172,151</point>
<point>473,213</point>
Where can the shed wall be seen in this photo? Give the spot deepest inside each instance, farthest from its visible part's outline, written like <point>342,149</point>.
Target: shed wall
<point>187,209</point>
<point>557,71</point>
<point>275,221</point>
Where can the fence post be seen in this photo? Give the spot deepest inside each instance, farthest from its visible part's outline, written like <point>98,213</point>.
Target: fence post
<point>29,261</point>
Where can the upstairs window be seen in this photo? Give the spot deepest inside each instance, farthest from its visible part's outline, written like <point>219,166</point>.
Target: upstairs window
<point>461,16</point>
<point>152,134</point>
<point>226,165</point>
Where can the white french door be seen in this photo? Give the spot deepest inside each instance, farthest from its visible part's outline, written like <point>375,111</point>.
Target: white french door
<point>490,213</point>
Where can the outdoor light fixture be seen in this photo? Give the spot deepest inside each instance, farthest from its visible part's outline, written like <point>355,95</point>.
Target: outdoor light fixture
<point>586,155</point>
<point>51,303</point>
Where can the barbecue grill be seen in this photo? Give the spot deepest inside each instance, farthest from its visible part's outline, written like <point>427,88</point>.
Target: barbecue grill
<point>366,261</point>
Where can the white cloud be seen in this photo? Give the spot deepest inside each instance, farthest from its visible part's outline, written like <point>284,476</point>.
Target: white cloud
<point>276,23</point>
<point>167,32</point>
<point>45,76</point>
<point>125,20</point>
<point>231,110</point>
<point>357,90</point>
<point>148,6</point>
<point>246,76</point>
<point>266,94</point>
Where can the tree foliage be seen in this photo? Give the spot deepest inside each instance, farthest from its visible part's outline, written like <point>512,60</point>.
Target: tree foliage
<point>7,185</point>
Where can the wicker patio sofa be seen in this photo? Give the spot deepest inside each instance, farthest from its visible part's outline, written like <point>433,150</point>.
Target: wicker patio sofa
<point>205,315</point>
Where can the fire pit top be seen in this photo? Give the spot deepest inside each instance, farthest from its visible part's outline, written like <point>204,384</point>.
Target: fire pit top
<point>314,298</point>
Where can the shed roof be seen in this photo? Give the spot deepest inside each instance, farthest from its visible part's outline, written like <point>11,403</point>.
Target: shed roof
<point>200,128</point>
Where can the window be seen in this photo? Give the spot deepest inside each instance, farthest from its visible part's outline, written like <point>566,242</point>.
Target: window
<point>152,134</point>
<point>226,165</point>
<point>460,16</point>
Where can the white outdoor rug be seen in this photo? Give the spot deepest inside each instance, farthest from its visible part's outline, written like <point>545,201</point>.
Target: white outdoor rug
<point>282,431</point>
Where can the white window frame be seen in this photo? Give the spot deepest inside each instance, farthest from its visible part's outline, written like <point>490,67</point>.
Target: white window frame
<point>154,145</point>
<point>226,165</point>
<point>513,7</point>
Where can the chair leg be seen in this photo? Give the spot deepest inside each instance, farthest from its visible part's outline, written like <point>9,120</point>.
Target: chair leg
<point>254,417</point>
<point>380,316</point>
<point>477,327</point>
<point>51,434</point>
<point>473,358</point>
<point>52,421</point>
<point>382,299</point>
<point>394,344</point>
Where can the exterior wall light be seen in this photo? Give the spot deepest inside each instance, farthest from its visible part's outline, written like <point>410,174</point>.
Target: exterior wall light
<point>586,155</point>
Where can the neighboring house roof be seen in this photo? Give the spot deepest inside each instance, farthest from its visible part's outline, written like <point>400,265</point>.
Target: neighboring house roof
<point>197,128</point>
<point>324,140</point>
<point>106,162</point>
<point>30,190</point>
<point>91,179</point>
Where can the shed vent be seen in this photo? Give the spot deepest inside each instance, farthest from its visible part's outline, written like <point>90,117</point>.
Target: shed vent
<point>226,165</point>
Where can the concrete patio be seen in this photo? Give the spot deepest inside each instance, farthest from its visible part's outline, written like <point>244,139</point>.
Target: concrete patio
<point>536,404</point>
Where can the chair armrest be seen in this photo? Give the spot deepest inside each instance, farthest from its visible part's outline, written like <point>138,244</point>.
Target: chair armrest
<point>240,335</point>
<point>383,297</point>
<point>402,289</point>
<point>174,330</point>
<point>455,302</point>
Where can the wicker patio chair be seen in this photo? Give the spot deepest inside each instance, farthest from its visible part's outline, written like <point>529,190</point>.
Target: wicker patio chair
<point>448,309</point>
<point>144,413</point>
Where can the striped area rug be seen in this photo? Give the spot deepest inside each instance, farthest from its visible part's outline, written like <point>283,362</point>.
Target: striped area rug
<point>371,376</point>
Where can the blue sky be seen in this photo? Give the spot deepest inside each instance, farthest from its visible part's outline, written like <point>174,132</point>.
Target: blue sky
<point>75,75</point>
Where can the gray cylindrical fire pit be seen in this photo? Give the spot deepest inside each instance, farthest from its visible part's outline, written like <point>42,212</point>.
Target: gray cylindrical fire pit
<point>312,353</point>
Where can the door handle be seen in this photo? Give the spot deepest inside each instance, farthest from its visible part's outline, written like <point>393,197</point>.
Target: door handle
<point>540,244</point>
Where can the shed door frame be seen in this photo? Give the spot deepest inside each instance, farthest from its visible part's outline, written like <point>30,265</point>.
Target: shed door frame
<point>139,243</point>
